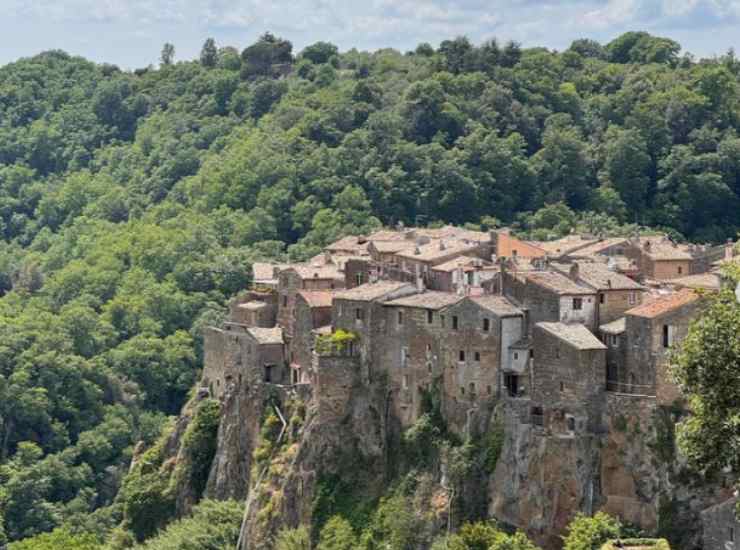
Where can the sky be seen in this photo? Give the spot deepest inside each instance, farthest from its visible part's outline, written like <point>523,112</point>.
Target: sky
<point>130,33</point>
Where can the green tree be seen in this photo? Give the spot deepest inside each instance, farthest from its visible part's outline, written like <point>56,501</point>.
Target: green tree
<point>704,368</point>
<point>209,53</point>
<point>337,534</point>
<point>319,52</point>
<point>294,539</point>
<point>167,57</point>
<point>590,533</point>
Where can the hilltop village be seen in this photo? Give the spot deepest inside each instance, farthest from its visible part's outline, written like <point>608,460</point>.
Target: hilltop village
<point>566,336</point>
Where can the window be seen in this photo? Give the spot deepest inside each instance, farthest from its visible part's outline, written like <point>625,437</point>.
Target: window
<point>430,317</point>
<point>454,322</point>
<point>516,356</point>
<point>471,388</point>
<point>489,389</point>
<point>571,424</point>
<point>442,320</point>
<point>486,324</point>
<point>404,356</point>
<point>268,373</point>
<point>557,353</point>
<point>531,354</point>
<point>667,336</point>
<point>477,357</point>
<point>602,298</point>
<point>514,252</point>
<point>285,300</point>
<point>462,390</point>
<point>359,278</point>
<point>680,270</point>
<point>577,303</point>
<point>359,314</point>
<point>632,298</point>
<point>731,535</point>
<point>400,317</point>
<point>405,381</point>
<point>511,383</point>
<point>461,355</point>
<point>614,340</point>
<point>562,386</point>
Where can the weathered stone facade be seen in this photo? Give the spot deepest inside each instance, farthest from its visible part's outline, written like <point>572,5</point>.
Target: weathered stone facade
<point>721,526</point>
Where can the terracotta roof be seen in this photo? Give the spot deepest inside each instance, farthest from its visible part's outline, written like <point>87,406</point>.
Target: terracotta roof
<point>615,327</point>
<point>267,335</point>
<point>556,282</point>
<point>462,261</point>
<point>388,247</point>
<point>263,271</point>
<point>317,298</point>
<point>375,291</point>
<point>350,243</point>
<point>453,232</point>
<point>428,300</point>
<point>440,250</point>
<point>499,305</point>
<point>568,244</point>
<point>387,235</point>
<point>599,246</point>
<point>576,335</point>
<point>328,271</point>
<point>600,277</point>
<point>664,304</point>
<point>704,281</point>
<point>662,249</point>
<point>253,305</point>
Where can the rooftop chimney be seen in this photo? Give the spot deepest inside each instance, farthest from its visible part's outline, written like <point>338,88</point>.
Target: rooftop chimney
<point>574,272</point>
<point>417,251</point>
<point>442,245</point>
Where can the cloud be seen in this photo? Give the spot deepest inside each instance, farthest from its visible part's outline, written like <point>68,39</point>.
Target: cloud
<point>369,24</point>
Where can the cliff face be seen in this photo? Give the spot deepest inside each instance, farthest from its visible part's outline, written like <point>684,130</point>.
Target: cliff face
<point>541,480</point>
<point>631,470</point>
<point>348,445</point>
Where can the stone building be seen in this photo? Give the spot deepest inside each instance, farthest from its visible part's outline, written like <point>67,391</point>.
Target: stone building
<point>616,293</point>
<point>312,311</point>
<point>461,272</point>
<point>255,308</point>
<point>720,526</point>
<point>650,332</point>
<point>360,311</point>
<point>660,258</point>
<point>503,245</point>
<point>239,353</point>
<point>420,259</point>
<point>551,296</point>
<point>303,277</point>
<point>568,378</point>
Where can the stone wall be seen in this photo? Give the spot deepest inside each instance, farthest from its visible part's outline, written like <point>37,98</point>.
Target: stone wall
<point>616,303</point>
<point>334,379</point>
<point>566,380</point>
<point>541,304</point>
<point>720,526</point>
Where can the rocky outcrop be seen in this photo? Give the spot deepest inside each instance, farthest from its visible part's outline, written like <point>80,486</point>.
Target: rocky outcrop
<point>541,480</point>
<point>630,468</point>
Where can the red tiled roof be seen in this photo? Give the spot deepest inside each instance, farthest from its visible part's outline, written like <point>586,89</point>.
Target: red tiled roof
<point>317,298</point>
<point>664,304</point>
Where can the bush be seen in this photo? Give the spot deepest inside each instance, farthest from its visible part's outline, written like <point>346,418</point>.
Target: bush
<point>590,533</point>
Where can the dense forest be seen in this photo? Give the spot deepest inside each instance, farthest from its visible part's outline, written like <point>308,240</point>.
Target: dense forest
<point>132,204</point>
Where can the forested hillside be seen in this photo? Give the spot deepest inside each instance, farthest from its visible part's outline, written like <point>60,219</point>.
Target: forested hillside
<point>132,203</point>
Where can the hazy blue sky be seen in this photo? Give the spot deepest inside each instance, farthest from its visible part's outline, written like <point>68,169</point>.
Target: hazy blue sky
<point>131,32</point>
